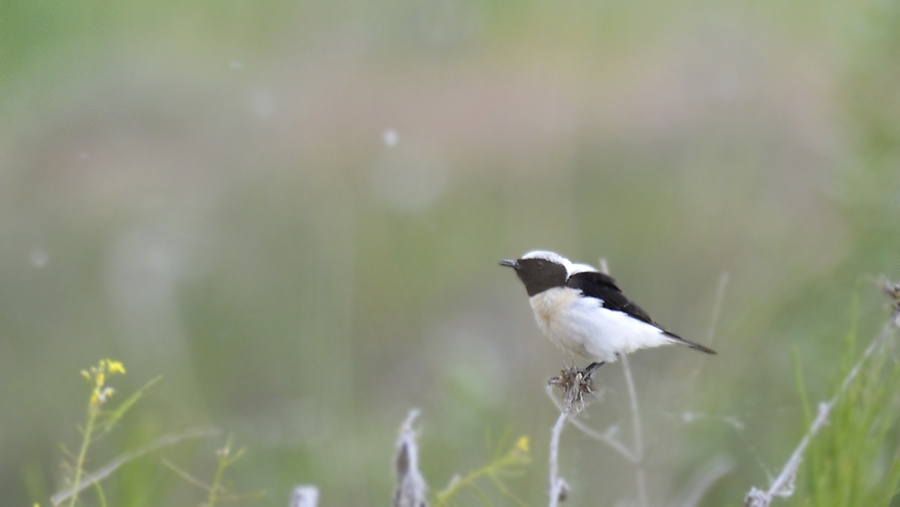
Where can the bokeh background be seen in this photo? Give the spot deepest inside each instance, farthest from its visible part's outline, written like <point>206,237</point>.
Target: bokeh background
<point>293,212</point>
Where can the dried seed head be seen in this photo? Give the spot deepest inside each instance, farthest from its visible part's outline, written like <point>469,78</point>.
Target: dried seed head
<point>410,489</point>
<point>757,498</point>
<point>575,387</point>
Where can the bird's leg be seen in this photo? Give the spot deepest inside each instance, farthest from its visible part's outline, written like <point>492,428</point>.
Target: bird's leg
<point>569,373</point>
<point>586,373</point>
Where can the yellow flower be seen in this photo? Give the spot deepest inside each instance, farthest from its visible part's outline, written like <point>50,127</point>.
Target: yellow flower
<point>522,444</point>
<point>115,367</point>
<point>97,377</point>
<point>106,393</point>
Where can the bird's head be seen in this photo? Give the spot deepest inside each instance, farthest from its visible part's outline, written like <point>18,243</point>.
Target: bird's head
<point>540,270</point>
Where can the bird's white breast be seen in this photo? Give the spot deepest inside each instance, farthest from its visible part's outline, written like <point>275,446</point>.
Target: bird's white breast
<point>580,326</point>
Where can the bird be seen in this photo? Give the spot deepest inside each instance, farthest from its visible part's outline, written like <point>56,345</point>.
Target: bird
<point>585,313</point>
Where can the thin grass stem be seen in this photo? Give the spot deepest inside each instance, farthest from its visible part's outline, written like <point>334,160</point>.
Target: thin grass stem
<point>220,470</point>
<point>100,495</point>
<point>82,453</point>
<point>104,472</point>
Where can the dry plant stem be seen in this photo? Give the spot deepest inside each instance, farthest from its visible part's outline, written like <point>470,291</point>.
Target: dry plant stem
<point>596,435</point>
<point>85,442</point>
<point>717,307</point>
<point>575,387</point>
<point>640,475</point>
<point>783,484</point>
<point>556,484</point>
<point>713,323</point>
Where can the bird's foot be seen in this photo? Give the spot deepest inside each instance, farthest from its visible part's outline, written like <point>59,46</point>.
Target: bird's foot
<point>586,373</point>
<point>569,374</point>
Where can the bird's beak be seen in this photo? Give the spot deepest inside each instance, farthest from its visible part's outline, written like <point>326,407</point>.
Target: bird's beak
<point>510,263</point>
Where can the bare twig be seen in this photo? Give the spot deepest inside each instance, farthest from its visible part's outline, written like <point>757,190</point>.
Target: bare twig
<point>112,466</point>
<point>558,487</point>
<point>717,307</point>
<point>783,485</point>
<point>607,437</point>
<point>711,330</point>
<point>575,389</point>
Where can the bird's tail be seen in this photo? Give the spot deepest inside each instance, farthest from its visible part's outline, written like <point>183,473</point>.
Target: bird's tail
<point>681,341</point>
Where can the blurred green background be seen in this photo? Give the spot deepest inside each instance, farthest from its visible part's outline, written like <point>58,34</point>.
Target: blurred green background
<point>293,212</point>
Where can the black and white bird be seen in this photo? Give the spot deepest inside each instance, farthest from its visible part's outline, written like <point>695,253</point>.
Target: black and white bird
<point>583,311</point>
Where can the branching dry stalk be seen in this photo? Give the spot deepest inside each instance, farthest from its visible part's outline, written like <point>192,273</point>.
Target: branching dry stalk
<point>711,330</point>
<point>576,388</point>
<point>783,485</point>
<point>607,438</point>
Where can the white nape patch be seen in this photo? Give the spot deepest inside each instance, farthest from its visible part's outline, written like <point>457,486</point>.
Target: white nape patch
<point>582,268</point>
<point>580,326</point>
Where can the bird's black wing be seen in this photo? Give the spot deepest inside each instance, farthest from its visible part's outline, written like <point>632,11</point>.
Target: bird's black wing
<point>603,287</point>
